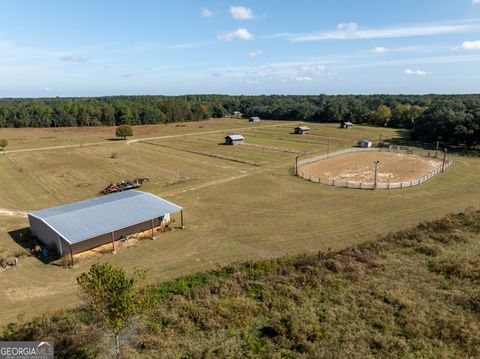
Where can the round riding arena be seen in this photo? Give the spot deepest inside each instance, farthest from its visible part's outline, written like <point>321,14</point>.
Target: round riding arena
<point>356,168</point>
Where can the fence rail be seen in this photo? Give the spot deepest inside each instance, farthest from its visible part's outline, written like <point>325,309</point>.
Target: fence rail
<point>370,185</point>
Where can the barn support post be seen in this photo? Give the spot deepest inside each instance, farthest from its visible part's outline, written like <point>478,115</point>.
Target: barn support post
<point>71,253</point>
<point>153,234</point>
<point>181,219</point>
<point>113,243</point>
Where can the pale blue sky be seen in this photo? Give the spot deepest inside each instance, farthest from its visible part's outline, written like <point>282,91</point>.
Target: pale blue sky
<point>97,48</point>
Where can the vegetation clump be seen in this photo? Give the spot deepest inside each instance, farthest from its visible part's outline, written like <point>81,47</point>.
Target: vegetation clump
<point>3,145</point>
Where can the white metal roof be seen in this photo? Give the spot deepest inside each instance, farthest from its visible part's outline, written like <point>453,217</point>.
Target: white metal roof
<point>304,128</point>
<point>235,137</point>
<point>79,221</point>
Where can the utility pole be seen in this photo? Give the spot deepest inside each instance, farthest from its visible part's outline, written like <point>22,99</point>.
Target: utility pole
<point>379,140</point>
<point>444,158</point>
<point>296,165</point>
<point>436,149</point>
<point>375,176</point>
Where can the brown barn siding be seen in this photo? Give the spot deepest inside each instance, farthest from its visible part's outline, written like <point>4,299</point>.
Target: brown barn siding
<point>107,237</point>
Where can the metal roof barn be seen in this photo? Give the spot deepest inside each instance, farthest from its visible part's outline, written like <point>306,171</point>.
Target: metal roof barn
<point>234,139</point>
<point>123,212</point>
<point>301,129</point>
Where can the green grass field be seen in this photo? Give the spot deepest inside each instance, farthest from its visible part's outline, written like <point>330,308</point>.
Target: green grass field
<point>233,210</point>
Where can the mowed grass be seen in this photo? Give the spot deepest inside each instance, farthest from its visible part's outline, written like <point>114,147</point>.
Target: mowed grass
<point>34,180</point>
<point>234,212</point>
<point>26,138</point>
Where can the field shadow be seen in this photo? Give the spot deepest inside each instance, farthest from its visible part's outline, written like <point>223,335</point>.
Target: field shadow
<point>115,139</point>
<point>24,238</point>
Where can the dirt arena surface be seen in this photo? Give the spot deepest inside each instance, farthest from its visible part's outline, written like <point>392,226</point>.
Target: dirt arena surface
<point>359,167</point>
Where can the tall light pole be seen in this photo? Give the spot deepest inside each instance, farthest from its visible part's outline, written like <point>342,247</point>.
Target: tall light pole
<point>375,176</point>
<point>444,158</point>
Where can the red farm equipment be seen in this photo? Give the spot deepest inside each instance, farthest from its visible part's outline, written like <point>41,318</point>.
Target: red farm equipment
<point>124,185</point>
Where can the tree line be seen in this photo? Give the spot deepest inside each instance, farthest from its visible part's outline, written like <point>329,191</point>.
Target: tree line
<point>452,119</point>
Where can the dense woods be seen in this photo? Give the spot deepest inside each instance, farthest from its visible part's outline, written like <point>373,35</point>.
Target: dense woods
<point>450,119</point>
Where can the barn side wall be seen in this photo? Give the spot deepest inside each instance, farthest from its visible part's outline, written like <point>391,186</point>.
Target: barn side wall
<point>44,233</point>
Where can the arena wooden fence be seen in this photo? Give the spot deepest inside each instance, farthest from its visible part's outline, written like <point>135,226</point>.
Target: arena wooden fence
<point>370,185</point>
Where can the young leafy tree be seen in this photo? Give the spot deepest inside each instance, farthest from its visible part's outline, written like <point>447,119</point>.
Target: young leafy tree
<point>380,116</point>
<point>124,131</point>
<point>3,145</point>
<point>118,300</point>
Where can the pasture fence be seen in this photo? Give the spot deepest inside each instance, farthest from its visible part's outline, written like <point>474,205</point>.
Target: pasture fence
<point>371,185</point>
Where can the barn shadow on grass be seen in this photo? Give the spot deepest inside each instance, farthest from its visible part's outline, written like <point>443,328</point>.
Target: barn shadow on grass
<point>24,238</point>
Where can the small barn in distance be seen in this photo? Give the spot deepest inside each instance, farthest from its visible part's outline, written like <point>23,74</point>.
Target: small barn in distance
<point>254,119</point>
<point>83,225</point>
<point>237,114</point>
<point>234,140</point>
<point>300,130</point>
<point>364,143</point>
<point>346,124</point>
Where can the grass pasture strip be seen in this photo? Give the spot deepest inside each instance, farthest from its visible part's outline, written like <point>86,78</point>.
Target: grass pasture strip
<point>251,155</point>
<point>252,163</point>
<point>66,137</point>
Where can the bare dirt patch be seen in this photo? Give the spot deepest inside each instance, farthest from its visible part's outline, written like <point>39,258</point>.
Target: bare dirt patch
<point>359,167</point>
<point>11,213</point>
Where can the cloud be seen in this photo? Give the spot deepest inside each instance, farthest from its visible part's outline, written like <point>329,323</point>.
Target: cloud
<point>471,45</point>
<point>379,50</point>
<point>77,59</point>
<point>242,13</point>
<point>290,71</point>
<point>255,54</point>
<point>303,78</point>
<point>475,2</point>
<point>239,34</point>
<point>352,31</point>
<point>206,13</point>
<point>415,72</point>
<point>313,69</point>
<point>349,26</point>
